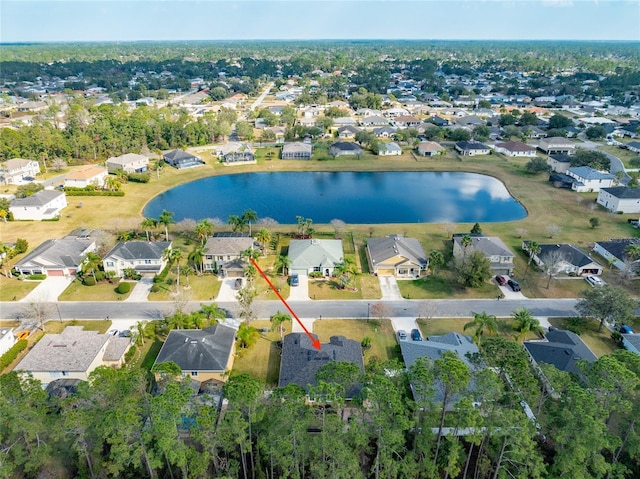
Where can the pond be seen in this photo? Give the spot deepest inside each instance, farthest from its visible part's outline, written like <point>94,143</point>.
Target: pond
<point>353,197</point>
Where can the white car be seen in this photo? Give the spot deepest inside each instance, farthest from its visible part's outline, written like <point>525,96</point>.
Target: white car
<point>594,280</point>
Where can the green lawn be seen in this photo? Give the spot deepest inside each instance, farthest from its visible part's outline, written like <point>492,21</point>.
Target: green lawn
<point>441,326</point>
<point>599,343</point>
<point>77,291</point>
<point>383,340</point>
<point>148,353</point>
<point>200,288</point>
<point>13,288</point>
<point>625,155</point>
<point>262,361</point>
<point>56,327</point>
<point>442,286</point>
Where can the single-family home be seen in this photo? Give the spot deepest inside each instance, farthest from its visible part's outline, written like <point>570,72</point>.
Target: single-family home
<point>631,342</point>
<point>145,257</point>
<point>470,121</point>
<point>236,152</point>
<point>559,163</point>
<point>384,132</point>
<point>315,256</point>
<point>586,179</point>
<point>43,205</point>
<point>515,148</point>
<point>73,354</point>
<point>343,121</point>
<point>615,251</point>
<point>433,348</point>
<point>498,253</point>
<point>345,148</point>
<point>7,340</point>
<point>203,354</point>
<point>439,121</point>
<point>374,121</point>
<point>634,146</point>
<point>223,252</point>
<point>300,361</point>
<point>574,260</point>
<point>430,148</point>
<point>181,159</point>
<point>58,257</point>
<point>389,149</point>
<point>396,256</point>
<point>395,112</point>
<point>620,199</point>
<point>129,163</point>
<point>297,151</point>
<point>562,349</point>
<point>348,132</point>
<point>406,121</point>
<point>14,170</point>
<point>556,145</point>
<point>90,175</point>
<point>472,148</point>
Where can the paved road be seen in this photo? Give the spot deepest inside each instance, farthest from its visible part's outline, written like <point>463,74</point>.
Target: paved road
<point>616,163</point>
<point>304,309</point>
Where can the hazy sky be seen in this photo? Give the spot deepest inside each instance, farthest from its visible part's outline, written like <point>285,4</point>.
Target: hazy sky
<point>125,20</point>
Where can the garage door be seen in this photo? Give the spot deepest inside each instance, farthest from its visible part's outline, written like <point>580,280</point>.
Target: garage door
<point>385,272</point>
<point>55,272</point>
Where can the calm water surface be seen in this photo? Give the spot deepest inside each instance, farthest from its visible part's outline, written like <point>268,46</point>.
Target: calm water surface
<point>353,197</point>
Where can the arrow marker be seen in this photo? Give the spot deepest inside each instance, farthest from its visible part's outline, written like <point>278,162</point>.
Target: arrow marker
<point>314,342</point>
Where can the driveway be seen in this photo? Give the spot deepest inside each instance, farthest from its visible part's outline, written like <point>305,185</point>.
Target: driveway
<point>48,290</point>
<point>227,290</point>
<point>300,292</point>
<point>389,288</point>
<point>140,291</point>
<point>406,324</point>
<point>508,292</point>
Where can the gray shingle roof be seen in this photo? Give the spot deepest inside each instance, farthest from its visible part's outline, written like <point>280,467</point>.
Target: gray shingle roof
<point>138,250</point>
<point>126,159</point>
<point>382,249</point>
<point>199,349</point>
<point>617,247</point>
<point>233,245</point>
<point>563,349</point>
<point>305,254</point>
<point>623,192</point>
<point>471,145</point>
<point>489,245</point>
<point>589,173</point>
<point>634,339</point>
<point>300,360</point>
<point>68,251</point>
<point>116,347</point>
<point>346,146</point>
<point>41,198</point>
<point>174,155</point>
<point>571,253</point>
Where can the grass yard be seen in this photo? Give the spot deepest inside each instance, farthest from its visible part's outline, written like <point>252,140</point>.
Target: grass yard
<point>383,339</point>
<point>13,288</point>
<point>625,155</point>
<point>56,327</point>
<point>77,291</point>
<point>262,361</point>
<point>148,353</point>
<point>443,287</point>
<point>441,326</point>
<point>599,343</point>
<point>201,288</point>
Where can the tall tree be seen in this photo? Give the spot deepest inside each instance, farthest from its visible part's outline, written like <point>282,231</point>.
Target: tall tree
<point>436,259</point>
<point>148,224</point>
<point>282,263</point>
<point>533,249</point>
<point>248,217</point>
<point>482,323</point>
<point>277,322</point>
<point>203,230</point>
<point>607,304</point>
<point>524,322</point>
<point>165,219</point>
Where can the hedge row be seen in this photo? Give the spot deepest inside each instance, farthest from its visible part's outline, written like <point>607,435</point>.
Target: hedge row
<point>139,177</point>
<point>37,277</point>
<point>10,356</point>
<point>83,192</point>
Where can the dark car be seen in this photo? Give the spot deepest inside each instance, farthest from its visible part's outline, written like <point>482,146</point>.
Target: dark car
<point>295,280</point>
<point>415,335</point>
<point>501,280</point>
<point>513,285</point>
<point>237,283</point>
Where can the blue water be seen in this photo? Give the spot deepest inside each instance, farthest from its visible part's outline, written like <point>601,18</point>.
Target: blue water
<point>353,197</point>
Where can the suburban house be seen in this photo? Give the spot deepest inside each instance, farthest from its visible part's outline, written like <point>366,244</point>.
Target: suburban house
<point>181,159</point>
<point>429,148</point>
<point>620,199</point>
<point>634,146</point>
<point>222,253</point>
<point>389,149</point>
<point>439,121</point>
<point>297,151</point>
<point>345,148</point>
<point>374,121</point>
<point>348,132</point>
<point>236,152</point>
<point>15,169</point>
<point>129,163</point>
<point>406,121</point>
<point>559,163</point>
<point>343,121</point>
<point>300,361</point>
<point>204,354</point>
<point>384,132</point>
<point>58,257</point>
<point>396,256</point>
<point>499,255</point>
<point>631,342</point>
<point>562,349</point>
<point>472,148</point>
<point>145,257</point>
<point>515,148</point>
<point>586,179</point>
<point>43,205</point>
<point>90,175</point>
<point>433,348</point>
<point>556,145</point>
<point>73,354</point>
<point>7,340</point>
<point>614,251</point>
<point>315,256</point>
<point>574,261</point>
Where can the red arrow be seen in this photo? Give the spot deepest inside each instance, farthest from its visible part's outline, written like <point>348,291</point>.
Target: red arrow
<point>314,342</point>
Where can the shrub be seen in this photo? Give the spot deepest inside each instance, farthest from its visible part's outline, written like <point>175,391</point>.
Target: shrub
<point>139,177</point>
<point>100,276</point>
<point>89,281</point>
<point>37,277</point>
<point>10,356</point>
<point>155,288</point>
<point>123,288</point>
<point>71,191</point>
<point>129,355</point>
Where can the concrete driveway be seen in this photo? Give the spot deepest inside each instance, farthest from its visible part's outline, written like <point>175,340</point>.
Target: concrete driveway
<point>407,324</point>
<point>389,288</point>
<point>49,289</point>
<point>140,291</point>
<point>508,292</point>
<point>300,292</point>
<point>228,291</point>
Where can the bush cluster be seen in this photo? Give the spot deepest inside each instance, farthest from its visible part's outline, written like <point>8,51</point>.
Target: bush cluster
<point>139,177</point>
<point>123,288</point>
<point>89,281</point>
<point>10,356</point>
<point>71,191</point>
<point>37,277</point>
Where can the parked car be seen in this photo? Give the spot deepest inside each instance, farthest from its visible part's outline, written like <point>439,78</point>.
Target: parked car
<point>624,329</point>
<point>113,332</point>
<point>28,178</point>
<point>23,334</point>
<point>501,280</point>
<point>295,280</point>
<point>237,284</point>
<point>415,335</point>
<point>402,334</point>
<point>594,280</point>
<point>513,284</point>
<point>125,334</point>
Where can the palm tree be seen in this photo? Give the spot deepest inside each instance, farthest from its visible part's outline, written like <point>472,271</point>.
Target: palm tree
<point>283,262</point>
<point>166,218</point>
<point>632,251</point>
<point>247,217</point>
<point>481,322</point>
<point>533,248</point>
<point>112,183</point>
<point>212,312</point>
<point>277,321</point>
<point>92,263</point>
<point>204,229</point>
<point>524,322</point>
<point>236,223</point>
<point>148,224</point>
<point>187,270</point>
<point>263,236</point>
<point>247,336</point>
<point>196,257</point>
<point>175,256</point>
<point>466,241</point>
<point>140,329</point>
<point>436,259</point>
